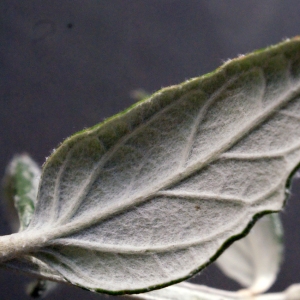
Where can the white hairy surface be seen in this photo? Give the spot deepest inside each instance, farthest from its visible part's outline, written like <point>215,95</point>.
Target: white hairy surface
<point>151,196</point>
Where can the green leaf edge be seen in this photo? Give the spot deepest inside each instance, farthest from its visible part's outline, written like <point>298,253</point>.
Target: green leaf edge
<point>239,64</point>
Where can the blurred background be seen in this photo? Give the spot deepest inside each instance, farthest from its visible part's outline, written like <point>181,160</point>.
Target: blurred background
<point>66,65</point>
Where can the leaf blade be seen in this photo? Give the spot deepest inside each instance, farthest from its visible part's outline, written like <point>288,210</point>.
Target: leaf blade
<point>227,122</point>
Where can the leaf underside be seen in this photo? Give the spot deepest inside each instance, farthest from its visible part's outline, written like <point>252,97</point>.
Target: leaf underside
<point>154,194</point>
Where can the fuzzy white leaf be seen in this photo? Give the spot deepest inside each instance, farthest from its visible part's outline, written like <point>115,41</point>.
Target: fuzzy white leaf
<point>153,195</point>
<point>189,291</point>
<point>40,288</point>
<point>292,292</point>
<point>254,261</point>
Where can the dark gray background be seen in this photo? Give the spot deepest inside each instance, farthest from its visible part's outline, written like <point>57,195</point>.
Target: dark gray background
<point>66,65</point>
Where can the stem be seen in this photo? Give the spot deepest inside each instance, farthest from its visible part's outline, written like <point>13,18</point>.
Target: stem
<point>16,244</point>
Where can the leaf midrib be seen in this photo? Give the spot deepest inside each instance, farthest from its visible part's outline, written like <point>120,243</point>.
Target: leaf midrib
<point>125,249</point>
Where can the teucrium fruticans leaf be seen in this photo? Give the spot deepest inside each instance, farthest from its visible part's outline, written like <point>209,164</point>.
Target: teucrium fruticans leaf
<point>254,260</point>
<point>154,194</point>
<point>20,189</point>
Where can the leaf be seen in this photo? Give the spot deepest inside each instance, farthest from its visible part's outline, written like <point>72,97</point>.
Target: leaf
<point>20,189</point>
<point>254,261</point>
<point>189,291</point>
<point>156,193</point>
<point>292,292</point>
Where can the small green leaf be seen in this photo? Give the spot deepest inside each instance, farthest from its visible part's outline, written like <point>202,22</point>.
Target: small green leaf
<point>20,188</point>
<point>156,193</point>
<point>254,261</point>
